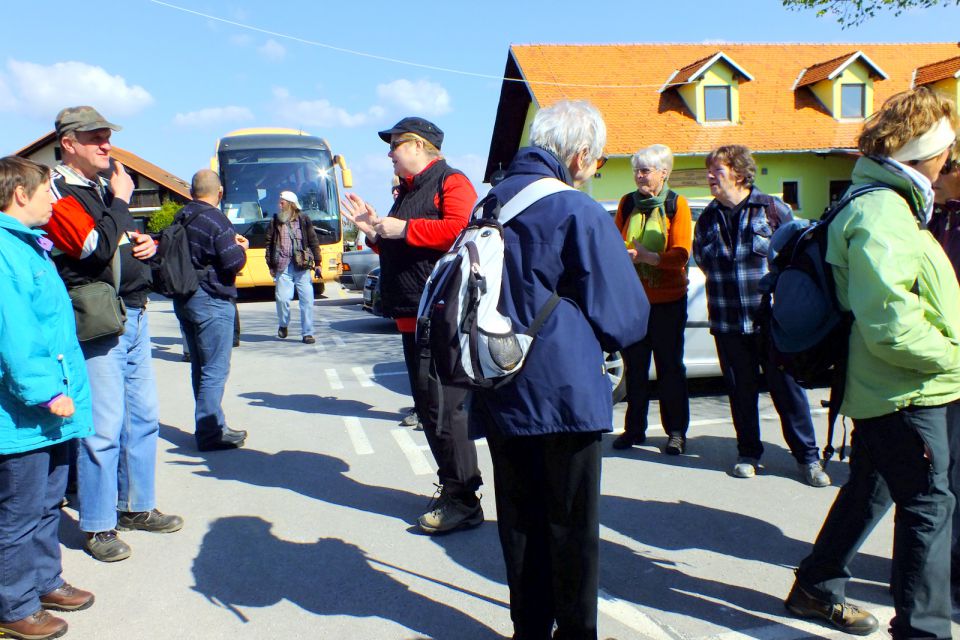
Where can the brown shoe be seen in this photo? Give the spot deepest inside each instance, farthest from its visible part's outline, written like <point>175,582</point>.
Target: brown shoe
<point>38,626</point>
<point>844,616</point>
<point>67,598</point>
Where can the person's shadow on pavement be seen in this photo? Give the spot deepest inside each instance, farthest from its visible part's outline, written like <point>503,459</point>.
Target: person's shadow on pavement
<point>243,564</point>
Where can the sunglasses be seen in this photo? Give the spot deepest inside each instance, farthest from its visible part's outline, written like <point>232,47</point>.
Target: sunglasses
<point>396,143</point>
<point>602,161</point>
<point>949,166</point>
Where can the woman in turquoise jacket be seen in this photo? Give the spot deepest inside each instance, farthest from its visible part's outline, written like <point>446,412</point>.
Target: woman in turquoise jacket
<point>904,368</point>
<point>44,402</point>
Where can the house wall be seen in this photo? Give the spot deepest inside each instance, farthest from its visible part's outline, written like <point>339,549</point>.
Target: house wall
<point>949,88</point>
<point>856,73</point>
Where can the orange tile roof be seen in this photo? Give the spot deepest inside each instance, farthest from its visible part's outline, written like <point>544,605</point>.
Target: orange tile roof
<point>822,71</point>
<point>937,71</point>
<point>623,80</point>
<point>695,69</point>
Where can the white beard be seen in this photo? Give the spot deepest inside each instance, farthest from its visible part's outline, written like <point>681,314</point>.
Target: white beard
<point>285,215</point>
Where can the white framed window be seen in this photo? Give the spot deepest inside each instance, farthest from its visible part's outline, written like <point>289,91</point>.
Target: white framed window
<point>716,104</point>
<point>853,100</point>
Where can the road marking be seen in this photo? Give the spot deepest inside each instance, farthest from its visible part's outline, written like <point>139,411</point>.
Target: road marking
<point>628,615</point>
<point>363,377</point>
<point>418,462</point>
<point>337,340</point>
<point>361,444</point>
<point>710,421</point>
<point>333,379</point>
<point>390,373</point>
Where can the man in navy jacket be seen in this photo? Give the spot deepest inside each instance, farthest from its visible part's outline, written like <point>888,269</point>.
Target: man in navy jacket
<point>545,426</point>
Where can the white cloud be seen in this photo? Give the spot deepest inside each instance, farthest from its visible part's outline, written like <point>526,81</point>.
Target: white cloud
<point>212,115</point>
<point>319,113</point>
<point>421,97</point>
<point>272,50</point>
<point>241,39</point>
<point>40,89</point>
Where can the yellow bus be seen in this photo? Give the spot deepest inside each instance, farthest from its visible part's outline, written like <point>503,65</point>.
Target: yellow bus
<point>255,165</point>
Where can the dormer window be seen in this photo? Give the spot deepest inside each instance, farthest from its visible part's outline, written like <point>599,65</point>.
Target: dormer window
<point>943,77</point>
<point>843,85</point>
<point>853,100</point>
<point>716,104</point>
<point>710,88</point>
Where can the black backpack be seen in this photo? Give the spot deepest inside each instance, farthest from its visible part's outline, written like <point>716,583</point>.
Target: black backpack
<point>800,320</point>
<point>174,275</point>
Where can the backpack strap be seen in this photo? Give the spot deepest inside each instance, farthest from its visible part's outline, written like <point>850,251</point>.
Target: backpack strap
<point>670,204</point>
<point>533,192</point>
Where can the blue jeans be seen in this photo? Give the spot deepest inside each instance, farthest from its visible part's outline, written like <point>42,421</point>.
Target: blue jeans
<point>31,487</point>
<point>116,465</point>
<point>287,280</point>
<point>207,324</point>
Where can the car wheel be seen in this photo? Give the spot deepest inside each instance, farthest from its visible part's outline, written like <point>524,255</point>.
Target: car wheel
<point>613,365</point>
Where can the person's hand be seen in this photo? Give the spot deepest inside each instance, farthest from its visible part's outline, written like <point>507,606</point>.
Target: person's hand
<point>645,256</point>
<point>121,184</point>
<point>633,255</point>
<point>143,245</point>
<point>391,227</point>
<point>62,407</point>
<point>243,242</point>
<point>318,273</point>
<point>360,213</point>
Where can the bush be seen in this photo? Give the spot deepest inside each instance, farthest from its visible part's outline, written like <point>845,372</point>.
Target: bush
<point>163,217</point>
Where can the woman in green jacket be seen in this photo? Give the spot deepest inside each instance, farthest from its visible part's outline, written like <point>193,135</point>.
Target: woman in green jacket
<point>904,367</point>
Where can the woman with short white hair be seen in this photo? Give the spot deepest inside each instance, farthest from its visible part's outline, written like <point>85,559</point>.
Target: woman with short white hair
<point>657,228</point>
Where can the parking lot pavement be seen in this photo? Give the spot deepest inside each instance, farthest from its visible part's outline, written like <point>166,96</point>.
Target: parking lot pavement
<point>307,531</point>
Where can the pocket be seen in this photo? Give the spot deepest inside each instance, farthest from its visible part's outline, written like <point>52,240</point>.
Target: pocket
<point>761,232</point>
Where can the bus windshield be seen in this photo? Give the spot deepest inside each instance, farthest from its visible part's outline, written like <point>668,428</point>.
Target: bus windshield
<point>253,179</point>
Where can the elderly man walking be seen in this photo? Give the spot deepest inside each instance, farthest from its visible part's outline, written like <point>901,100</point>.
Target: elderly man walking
<point>207,317</point>
<point>95,235</point>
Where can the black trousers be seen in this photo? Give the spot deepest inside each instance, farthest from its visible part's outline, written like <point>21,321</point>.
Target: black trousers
<point>548,490</point>
<point>664,341</point>
<point>900,458</point>
<point>443,412</point>
<point>741,359</point>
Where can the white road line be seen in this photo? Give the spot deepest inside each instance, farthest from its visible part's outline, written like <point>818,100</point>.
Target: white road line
<point>333,379</point>
<point>628,615</point>
<point>337,340</point>
<point>361,444</point>
<point>418,462</point>
<point>389,373</point>
<point>362,377</point>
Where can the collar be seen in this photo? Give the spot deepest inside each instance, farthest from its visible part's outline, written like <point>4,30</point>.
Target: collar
<point>409,180</point>
<point>74,177</point>
<point>9,222</point>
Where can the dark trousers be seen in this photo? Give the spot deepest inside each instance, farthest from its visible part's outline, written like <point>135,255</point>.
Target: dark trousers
<point>953,436</point>
<point>664,341</point>
<point>548,490</point>
<point>32,485</point>
<point>443,412</point>
<point>741,360</point>
<point>208,325</point>
<point>900,458</point>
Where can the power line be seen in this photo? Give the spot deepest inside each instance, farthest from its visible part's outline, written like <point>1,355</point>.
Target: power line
<point>409,63</point>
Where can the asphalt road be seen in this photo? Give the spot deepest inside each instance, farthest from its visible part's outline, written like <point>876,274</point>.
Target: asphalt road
<point>307,532</point>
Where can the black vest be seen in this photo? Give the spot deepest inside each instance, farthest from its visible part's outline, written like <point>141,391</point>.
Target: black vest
<point>404,269</point>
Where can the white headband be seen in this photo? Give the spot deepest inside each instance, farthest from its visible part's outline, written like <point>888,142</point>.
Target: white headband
<point>932,143</point>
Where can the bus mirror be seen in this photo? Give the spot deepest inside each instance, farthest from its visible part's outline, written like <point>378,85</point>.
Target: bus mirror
<point>347,176</point>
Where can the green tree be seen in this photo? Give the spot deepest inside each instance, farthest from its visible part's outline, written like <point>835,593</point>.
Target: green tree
<point>163,217</point>
<point>850,13</point>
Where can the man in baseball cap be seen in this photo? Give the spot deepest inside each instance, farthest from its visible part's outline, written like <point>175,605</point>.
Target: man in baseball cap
<point>418,126</point>
<point>81,118</point>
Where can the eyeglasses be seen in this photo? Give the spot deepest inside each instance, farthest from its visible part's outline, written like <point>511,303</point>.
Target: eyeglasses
<point>949,166</point>
<point>602,161</point>
<point>396,143</point>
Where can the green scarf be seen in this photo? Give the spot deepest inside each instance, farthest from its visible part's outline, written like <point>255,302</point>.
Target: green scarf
<point>648,227</point>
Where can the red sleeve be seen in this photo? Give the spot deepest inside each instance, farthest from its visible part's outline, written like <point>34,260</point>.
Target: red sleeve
<point>459,196</point>
<point>71,229</point>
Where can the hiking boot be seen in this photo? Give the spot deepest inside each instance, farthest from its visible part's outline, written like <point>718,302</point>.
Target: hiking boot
<point>813,474</point>
<point>626,440</point>
<point>105,546</point>
<point>449,514</point>
<point>745,467</point>
<point>152,521</point>
<point>39,625</point>
<point>844,616</point>
<point>309,340</point>
<point>411,419</point>
<point>281,332</point>
<point>676,444</point>
<point>67,598</point>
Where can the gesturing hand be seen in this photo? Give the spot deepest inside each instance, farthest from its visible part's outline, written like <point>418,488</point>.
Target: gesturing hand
<point>360,213</point>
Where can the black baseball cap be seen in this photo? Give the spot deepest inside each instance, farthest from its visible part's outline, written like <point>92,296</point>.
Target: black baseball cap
<point>423,128</point>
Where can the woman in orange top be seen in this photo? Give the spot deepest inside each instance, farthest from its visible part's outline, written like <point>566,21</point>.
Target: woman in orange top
<point>657,231</point>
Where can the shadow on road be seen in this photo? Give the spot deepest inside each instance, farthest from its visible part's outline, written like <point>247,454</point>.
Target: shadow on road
<point>328,405</point>
<point>243,564</point>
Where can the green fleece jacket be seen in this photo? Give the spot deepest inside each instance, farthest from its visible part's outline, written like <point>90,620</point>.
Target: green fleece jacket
<point>904,347</point>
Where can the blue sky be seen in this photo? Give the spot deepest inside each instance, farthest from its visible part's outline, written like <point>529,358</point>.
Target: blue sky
<point>177,81</point>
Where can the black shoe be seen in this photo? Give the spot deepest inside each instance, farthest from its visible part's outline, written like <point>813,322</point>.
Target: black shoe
<point>185,357</point>
<point>152,521</point>
<point>846,617</point>
<point>229,439</point>
<point>676,444</point>
<point>627,440</point>
<point>282,332</point>
<point>308,340</point>
<point>236,342</point>
<point>105,546</point>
